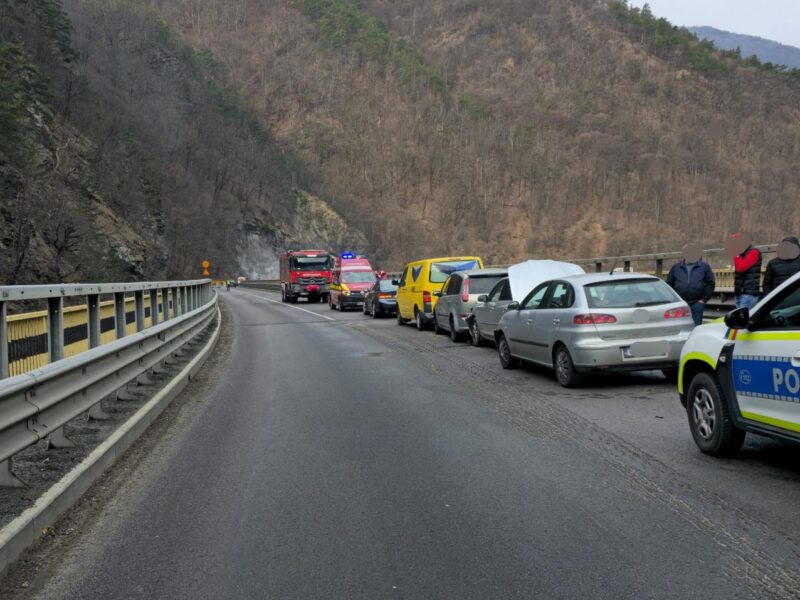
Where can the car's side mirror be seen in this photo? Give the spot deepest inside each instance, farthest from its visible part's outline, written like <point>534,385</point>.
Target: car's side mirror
<point>483,298</point>
<point>395,282</point>
<point>738,319</point>
<point>437,293</point>
<point>513,305</point>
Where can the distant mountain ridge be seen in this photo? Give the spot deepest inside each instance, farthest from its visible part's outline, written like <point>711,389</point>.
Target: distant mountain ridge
<point>765,50</point>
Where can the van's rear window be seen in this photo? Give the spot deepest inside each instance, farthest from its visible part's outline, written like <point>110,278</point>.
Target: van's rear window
<point>440,271</point>
<point>629,293</point>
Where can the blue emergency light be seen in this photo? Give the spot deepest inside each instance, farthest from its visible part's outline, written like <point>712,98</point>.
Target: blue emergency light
<point>348,255</point>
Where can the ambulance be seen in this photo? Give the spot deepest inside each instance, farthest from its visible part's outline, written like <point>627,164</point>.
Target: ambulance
<point>742,374</point>
<point>351,279</point>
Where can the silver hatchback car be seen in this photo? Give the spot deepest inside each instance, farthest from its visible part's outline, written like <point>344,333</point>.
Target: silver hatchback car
<point>593,323</point>
<point>458,296</point>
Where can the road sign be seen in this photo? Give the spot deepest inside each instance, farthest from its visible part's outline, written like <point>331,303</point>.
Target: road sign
<point>205,265</point>
<point>205,272</point>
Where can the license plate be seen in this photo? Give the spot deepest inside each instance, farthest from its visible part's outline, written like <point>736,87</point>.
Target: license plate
<point>645,350</point>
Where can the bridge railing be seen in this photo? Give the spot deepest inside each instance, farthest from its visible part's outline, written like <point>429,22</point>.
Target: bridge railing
<point>145,324</point>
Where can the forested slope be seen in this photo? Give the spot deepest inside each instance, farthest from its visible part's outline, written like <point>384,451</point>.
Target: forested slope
<point>514,127</point>
<point>126,155</point>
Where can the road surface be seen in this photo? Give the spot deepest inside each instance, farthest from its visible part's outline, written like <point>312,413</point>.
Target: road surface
<point>333,456</point>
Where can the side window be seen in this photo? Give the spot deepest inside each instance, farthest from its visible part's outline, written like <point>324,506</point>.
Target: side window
<point>781,313</point>
<point>534,299</point>
<point>446,286</point>
<point>403,277</point>
<point>562,296</point>
<point>497,290</point>
<point>452,285</point>
<point>505,293</point>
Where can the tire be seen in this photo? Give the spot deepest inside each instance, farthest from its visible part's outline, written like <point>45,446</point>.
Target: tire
<point>565,369</point>
<point>436,329</point>
<point>475,333</point>
<point>292,299</point>
<point>455,336</point>
<point>418,320</point>
<point>507,361</point>
<point>400,319</point>
<point>374,311</point>
<point>709,418</point>
<point>671,374</point>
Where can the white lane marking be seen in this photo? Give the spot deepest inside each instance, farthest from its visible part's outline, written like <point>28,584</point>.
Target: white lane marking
<point>311,312</point>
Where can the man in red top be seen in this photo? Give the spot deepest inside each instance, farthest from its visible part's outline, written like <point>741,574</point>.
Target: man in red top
<point>747,267</point>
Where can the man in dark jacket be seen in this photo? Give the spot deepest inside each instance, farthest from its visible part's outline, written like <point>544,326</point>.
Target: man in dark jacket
<point>784,266</point>
<point>693,280</point>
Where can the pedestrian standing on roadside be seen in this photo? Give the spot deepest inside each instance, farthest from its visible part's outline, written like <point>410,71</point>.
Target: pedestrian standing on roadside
<point>693,280</point>
<point>786,264</point>
<point>747,269</point>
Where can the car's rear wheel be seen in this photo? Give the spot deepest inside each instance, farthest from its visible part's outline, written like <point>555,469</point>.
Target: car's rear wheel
<point>565,368</point>
<point>455,336</point>
<point>374,311</point>
<point>507,361</point>
<point>475,333</point>
<point>400,319</point>
<point>419,321</point>
<point>709,418</point>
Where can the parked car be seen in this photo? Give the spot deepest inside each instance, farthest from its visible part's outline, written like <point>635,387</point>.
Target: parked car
<point>381,299</point>
<point>743,375</point>
<point>458,296</point>
<point>595,323</point>
<point>420,279</point>
<point>522,278</point>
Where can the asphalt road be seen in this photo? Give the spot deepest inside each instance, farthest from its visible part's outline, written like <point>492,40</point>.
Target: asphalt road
<point>340,457</point>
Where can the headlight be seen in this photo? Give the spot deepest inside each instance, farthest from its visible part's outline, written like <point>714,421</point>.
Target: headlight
<point>346,292</point>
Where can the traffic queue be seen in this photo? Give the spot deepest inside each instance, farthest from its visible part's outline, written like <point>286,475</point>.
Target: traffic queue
<point>735,375</point>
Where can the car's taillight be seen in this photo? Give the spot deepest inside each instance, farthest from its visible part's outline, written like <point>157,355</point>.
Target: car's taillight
<point>426,297</point>
<point>465,290</point>
<point>384,296</point>
<point>677,313</point>
<point>593,319</point>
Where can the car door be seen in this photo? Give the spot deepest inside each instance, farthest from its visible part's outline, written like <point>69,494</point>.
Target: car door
<point>766,363</point>
<point>403,294</point>
<point>548,319</point>
<point>486,313</point>
<point>523,342</point>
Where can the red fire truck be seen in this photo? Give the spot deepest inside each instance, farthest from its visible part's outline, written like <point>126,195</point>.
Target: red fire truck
<point>306,274</point>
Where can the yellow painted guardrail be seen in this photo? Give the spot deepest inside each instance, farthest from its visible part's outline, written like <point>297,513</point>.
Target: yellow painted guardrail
<point>27,332</point>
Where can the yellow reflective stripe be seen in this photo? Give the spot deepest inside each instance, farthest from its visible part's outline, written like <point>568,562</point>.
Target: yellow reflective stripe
<point>693,356</point>
<point>788,425</point>
<point>767,336</point>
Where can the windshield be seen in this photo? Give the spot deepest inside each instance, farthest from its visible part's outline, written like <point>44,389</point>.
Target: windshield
<point>440,271</point>
<point>358,276</point>
<point>629,293</point>
<point>311,263</point>
<point>483,285</point>
<point>386,285</point>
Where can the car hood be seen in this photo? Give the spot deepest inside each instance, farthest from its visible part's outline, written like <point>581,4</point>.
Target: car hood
<point>525,276</point>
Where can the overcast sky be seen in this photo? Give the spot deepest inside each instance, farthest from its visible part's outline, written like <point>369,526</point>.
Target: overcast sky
<point>777,20</point>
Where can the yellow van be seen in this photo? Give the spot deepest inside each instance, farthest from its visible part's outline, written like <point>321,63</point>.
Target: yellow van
<point>420,279</point>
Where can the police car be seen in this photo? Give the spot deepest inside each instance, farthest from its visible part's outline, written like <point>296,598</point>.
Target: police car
<point>743,375</point>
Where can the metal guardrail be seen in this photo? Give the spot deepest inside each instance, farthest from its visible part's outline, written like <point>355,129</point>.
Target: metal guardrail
<point>36,405</point>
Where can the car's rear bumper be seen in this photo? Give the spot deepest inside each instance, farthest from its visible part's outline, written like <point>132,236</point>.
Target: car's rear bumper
<point>608,356</point>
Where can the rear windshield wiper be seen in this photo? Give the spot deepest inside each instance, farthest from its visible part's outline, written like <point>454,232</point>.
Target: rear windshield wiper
<point>651,303</point>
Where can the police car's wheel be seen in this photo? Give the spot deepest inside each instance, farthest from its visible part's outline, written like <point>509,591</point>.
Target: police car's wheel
<point>709,419</point>
<point>565,368</point>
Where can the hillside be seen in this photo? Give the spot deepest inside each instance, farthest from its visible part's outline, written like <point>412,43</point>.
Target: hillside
<point>515,127</point>
<point>229,130</point>
<point>749,45</point>
<point>128,157</point>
